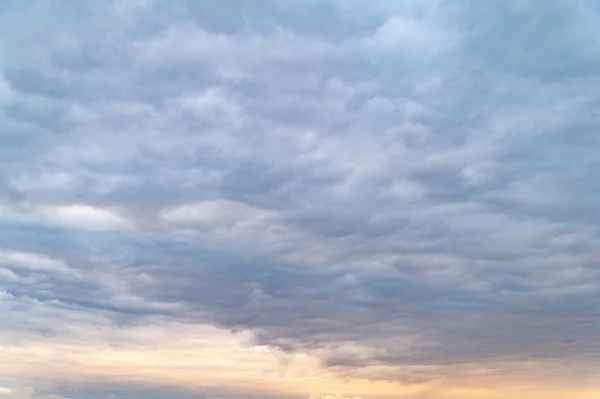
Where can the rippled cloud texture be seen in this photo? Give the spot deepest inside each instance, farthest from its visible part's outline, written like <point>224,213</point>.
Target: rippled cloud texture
<point>291,199</point>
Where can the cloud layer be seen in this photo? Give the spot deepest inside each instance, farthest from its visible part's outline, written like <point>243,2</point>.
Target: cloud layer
<point>390,191</point>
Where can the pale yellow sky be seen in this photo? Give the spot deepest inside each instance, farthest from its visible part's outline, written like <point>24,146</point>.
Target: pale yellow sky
<point>195,358</point>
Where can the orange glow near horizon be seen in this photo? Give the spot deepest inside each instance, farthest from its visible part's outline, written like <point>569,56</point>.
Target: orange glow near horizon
<point>196,357</point>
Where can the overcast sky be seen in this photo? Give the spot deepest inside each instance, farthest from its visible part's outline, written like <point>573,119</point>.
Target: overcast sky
<point>292,199</point>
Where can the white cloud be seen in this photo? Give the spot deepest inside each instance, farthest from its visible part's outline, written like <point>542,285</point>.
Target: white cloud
<point>84,217</point>
<point>31,261</point>
<point>215,214</point>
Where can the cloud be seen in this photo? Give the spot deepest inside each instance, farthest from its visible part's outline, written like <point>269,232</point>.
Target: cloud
<point>84,216</point>
<point>400,192</point>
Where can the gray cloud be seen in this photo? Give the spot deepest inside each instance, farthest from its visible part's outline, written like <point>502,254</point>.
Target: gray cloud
<point>98,390</point>
<point>417,181</point>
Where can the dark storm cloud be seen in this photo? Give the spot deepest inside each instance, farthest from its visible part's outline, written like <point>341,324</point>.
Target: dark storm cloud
<point>419,181</point>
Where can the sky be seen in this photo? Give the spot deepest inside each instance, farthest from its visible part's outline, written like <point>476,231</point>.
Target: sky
<point>292,199</point>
